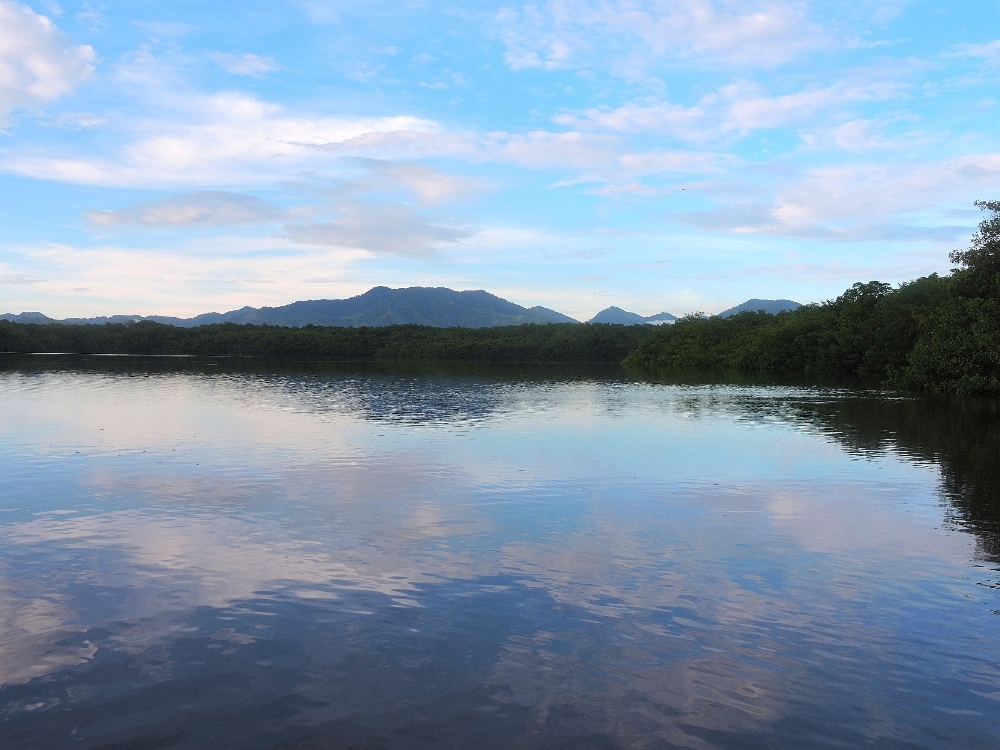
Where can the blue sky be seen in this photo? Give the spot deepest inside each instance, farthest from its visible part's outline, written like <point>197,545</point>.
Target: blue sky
<point>176,158</point>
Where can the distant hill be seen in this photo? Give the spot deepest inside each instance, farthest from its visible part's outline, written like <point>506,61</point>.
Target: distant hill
<point>624,317</point>
<point>380,306</point>
<point>28,317</point>
<point>771,306</point>
<point>663,317</point>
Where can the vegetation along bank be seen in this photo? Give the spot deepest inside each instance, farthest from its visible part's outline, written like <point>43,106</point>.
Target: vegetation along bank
<point>554,342</point>
<point>937,333</point>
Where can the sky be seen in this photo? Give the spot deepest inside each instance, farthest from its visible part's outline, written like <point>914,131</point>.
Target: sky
<point>674,155</point>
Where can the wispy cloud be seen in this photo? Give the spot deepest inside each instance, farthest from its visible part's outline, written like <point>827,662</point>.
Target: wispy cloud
<point>988,51</point>
<point>379,229</point>
<point>863,135</point>
<point>214,273</point>
<point>202,209</point>
<point>165,28</point>
<point>861,202</point>
<point>426,184</point>
<point>566,33</point>
<point>215,139</point>
<point>244,64</point>
<point>735,109</point>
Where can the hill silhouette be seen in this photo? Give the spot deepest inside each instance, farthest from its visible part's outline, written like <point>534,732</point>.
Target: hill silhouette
<point>380,306</point>
<point>615,315</point>
<point>772,306</point>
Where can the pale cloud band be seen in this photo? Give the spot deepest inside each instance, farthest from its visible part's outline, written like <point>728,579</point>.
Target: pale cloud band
<point>245,64</point>
<point>201,209</point>
<point>580,33</point>
<point>380,229</point>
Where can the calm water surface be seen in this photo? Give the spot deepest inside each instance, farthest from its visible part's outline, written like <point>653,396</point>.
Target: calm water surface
<point>207,558</point>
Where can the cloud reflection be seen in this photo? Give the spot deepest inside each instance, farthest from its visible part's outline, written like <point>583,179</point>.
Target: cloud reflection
<point>630,587</point>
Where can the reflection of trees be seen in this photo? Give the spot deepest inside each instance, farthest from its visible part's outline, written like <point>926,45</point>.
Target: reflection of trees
<point>405,392</point>
<point>398,398</point>
<point>420,394</point>
<point>961,436</point>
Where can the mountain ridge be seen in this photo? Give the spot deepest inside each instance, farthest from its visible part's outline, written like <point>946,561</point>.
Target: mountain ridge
<point>379,306</point>
<point>438,307</point>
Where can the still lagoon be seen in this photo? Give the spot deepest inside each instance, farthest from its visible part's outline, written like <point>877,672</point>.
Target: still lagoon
<point>198,555</point>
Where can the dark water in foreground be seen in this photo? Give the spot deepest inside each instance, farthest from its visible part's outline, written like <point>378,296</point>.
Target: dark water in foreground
<point>223,559</point>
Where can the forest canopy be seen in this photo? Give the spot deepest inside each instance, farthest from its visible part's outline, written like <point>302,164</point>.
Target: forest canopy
<point>937,333</point>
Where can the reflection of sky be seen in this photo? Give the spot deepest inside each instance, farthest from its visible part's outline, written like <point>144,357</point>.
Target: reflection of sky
<point>739,552</point>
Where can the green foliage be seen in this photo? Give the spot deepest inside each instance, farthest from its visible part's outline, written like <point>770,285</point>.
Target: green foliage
<point>958,350</point>
<point>869,330</point>
<point>935,333</point>
<point>561,342</point>
<point>978,272</point>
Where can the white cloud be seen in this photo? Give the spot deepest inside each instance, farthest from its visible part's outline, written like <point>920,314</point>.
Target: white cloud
<point>165,28</point>
<point>749,112</point>
<point>626,191</point>
<point>17,280</point>
<point>862,201</point>
<point>989,51</point>
<point>429,185</point>
<point>688,123</point>
<point>201,209</point>
<point>220,272</point>
<point>38,63</point>
<point>325,11</point>
<point>544,149</point>
<point>246,64</point>
<point>735,109</point>
<point>71,121</point>
<point>380,229</point>
<point>91,16</point>
<point>598,156</point>
<point>876,191</point>
<point>578,33</point>
<point>863,135</point>
<point>226,138</point>
<point>231,138</point>
<point>190,139</point>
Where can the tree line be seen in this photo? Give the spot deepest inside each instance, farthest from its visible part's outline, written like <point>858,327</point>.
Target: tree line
<point>937,333</point>
<point>557,342</point>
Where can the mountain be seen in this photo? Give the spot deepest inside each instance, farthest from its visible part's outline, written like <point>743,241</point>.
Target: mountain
<point>771,306</point>
<point>28,317</point>
<point>663,317</point>
<point>617,315</point>
<point>380,306</point>
<point>626,318</point>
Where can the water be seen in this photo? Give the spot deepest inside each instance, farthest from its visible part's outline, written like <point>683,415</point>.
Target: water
<point>194,556</point>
